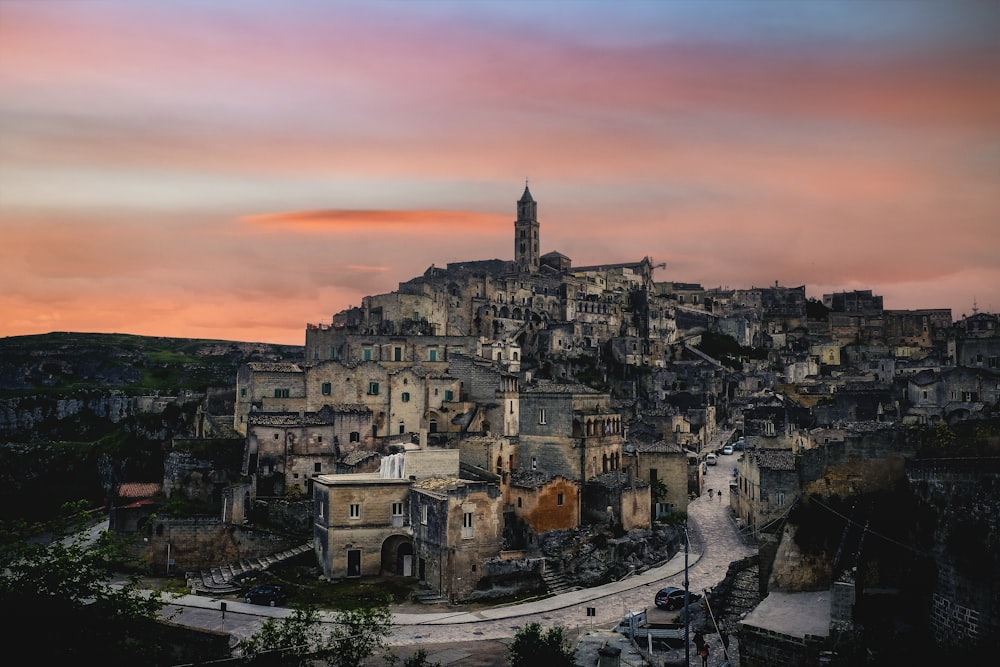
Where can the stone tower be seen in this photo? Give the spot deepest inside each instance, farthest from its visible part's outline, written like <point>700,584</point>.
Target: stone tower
<point>526,233</point>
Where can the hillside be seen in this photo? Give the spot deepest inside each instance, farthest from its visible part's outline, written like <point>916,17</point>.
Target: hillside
<point>59,363</point>
<point>80,413</point>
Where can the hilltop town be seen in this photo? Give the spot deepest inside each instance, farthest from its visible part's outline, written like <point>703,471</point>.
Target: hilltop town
<point>447,430</point>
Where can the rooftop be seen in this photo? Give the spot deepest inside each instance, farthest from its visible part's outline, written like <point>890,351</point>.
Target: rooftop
<point>792,614</point>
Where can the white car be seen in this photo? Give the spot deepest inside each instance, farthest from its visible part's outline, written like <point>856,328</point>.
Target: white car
<point>712,459</point>
<point>727,450</point>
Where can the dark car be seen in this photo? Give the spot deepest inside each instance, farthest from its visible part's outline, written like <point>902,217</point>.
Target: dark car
<point>672,597</point>
<point>271,594</point>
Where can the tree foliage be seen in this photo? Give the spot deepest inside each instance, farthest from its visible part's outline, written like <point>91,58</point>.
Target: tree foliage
<point>56,582</point>
<point>346,640</point>
<point>534,647</point>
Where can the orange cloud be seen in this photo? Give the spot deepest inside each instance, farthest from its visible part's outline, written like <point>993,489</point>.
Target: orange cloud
<point>417,222</point>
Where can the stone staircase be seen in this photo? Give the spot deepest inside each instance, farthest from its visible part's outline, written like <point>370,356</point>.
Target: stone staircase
<point>556,582</point>
<point>429,597</point>
<point>227,578</point>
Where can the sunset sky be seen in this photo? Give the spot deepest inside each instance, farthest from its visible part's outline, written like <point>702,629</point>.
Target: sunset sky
<point>236,170</point>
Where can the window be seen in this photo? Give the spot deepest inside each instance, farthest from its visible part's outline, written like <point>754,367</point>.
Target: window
<point>397,354</point>
<point>281,393</point>
<point>541,415</point>
<point>243,391</point>
<point>373,388</point>
<point>423,514</point>
<point>276,436</point>
<point>512,407</point>
<point>432,426</point>
<point>519,501</point>
<point>467,530</point>
<point>319,438</point>
<point>402,428</point>
<point>432,355</point>
<point>534,463</point>
<point>405,397</point>
<point>449,395</point>
<point>559,499</point>
<point>317,467</point>
<point>327,389</point>
<point>355,436</point>
<point>397,515</point>
<point>781,498</point>
<point>367,354</point>
<point>355,511</point>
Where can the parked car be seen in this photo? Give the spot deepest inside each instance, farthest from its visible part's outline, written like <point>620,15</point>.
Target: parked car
<point>672,597</point>
<point>712,459</point>
<point>739,445</point>
<point>270,594</point>
<point>727,450</point>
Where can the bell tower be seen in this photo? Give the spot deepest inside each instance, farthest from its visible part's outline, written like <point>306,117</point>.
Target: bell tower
<point>526,233</point>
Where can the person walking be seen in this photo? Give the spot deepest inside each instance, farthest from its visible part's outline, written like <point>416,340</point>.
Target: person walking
<point>720,495</point>
<point>703,652</point>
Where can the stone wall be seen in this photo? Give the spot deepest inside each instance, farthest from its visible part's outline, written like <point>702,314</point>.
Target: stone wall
<point>179,545</point>
<point>964,600</point>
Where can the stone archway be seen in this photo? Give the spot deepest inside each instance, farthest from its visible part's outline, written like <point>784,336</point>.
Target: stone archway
<point>397,556</point>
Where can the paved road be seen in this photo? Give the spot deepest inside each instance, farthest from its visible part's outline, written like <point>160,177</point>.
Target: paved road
<point>715,543</point>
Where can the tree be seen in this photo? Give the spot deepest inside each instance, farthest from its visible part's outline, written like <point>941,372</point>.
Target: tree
<point>358,633</point>
<point>346,640</point>
<point>658,490</point>
<point>533,647</point>
<point>294,638</point>
<point>55,582</point>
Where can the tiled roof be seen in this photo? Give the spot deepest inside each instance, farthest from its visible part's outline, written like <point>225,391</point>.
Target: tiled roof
<point>285,419</point>
<point>547,387</point>
<point>273,367</point>
<point>529,479</point>
<point>357,456</point>
<point>774,459</point>
<point>660,447</point>
<point>138,489</point>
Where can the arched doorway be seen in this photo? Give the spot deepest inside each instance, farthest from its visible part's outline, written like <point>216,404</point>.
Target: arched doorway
<point>397,556</point>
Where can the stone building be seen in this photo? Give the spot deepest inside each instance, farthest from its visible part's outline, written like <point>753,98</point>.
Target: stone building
<point>362,522</point>
<point>617,498</point>
<point>569,430</point>
<point>666,463</point>
<point>285,450</point>
<point>542,502</point>
<point>457,526</point>
<point>267,387</point>
<point>361,526</point>
<point>767,484</point>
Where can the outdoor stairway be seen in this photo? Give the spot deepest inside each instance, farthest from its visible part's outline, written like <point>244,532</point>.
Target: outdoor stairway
<point>429,597</point>
<point>226,578</point>
<point>556,583</point>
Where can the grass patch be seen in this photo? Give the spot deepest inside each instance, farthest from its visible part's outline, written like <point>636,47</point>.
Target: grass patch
<point>306,587</point>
